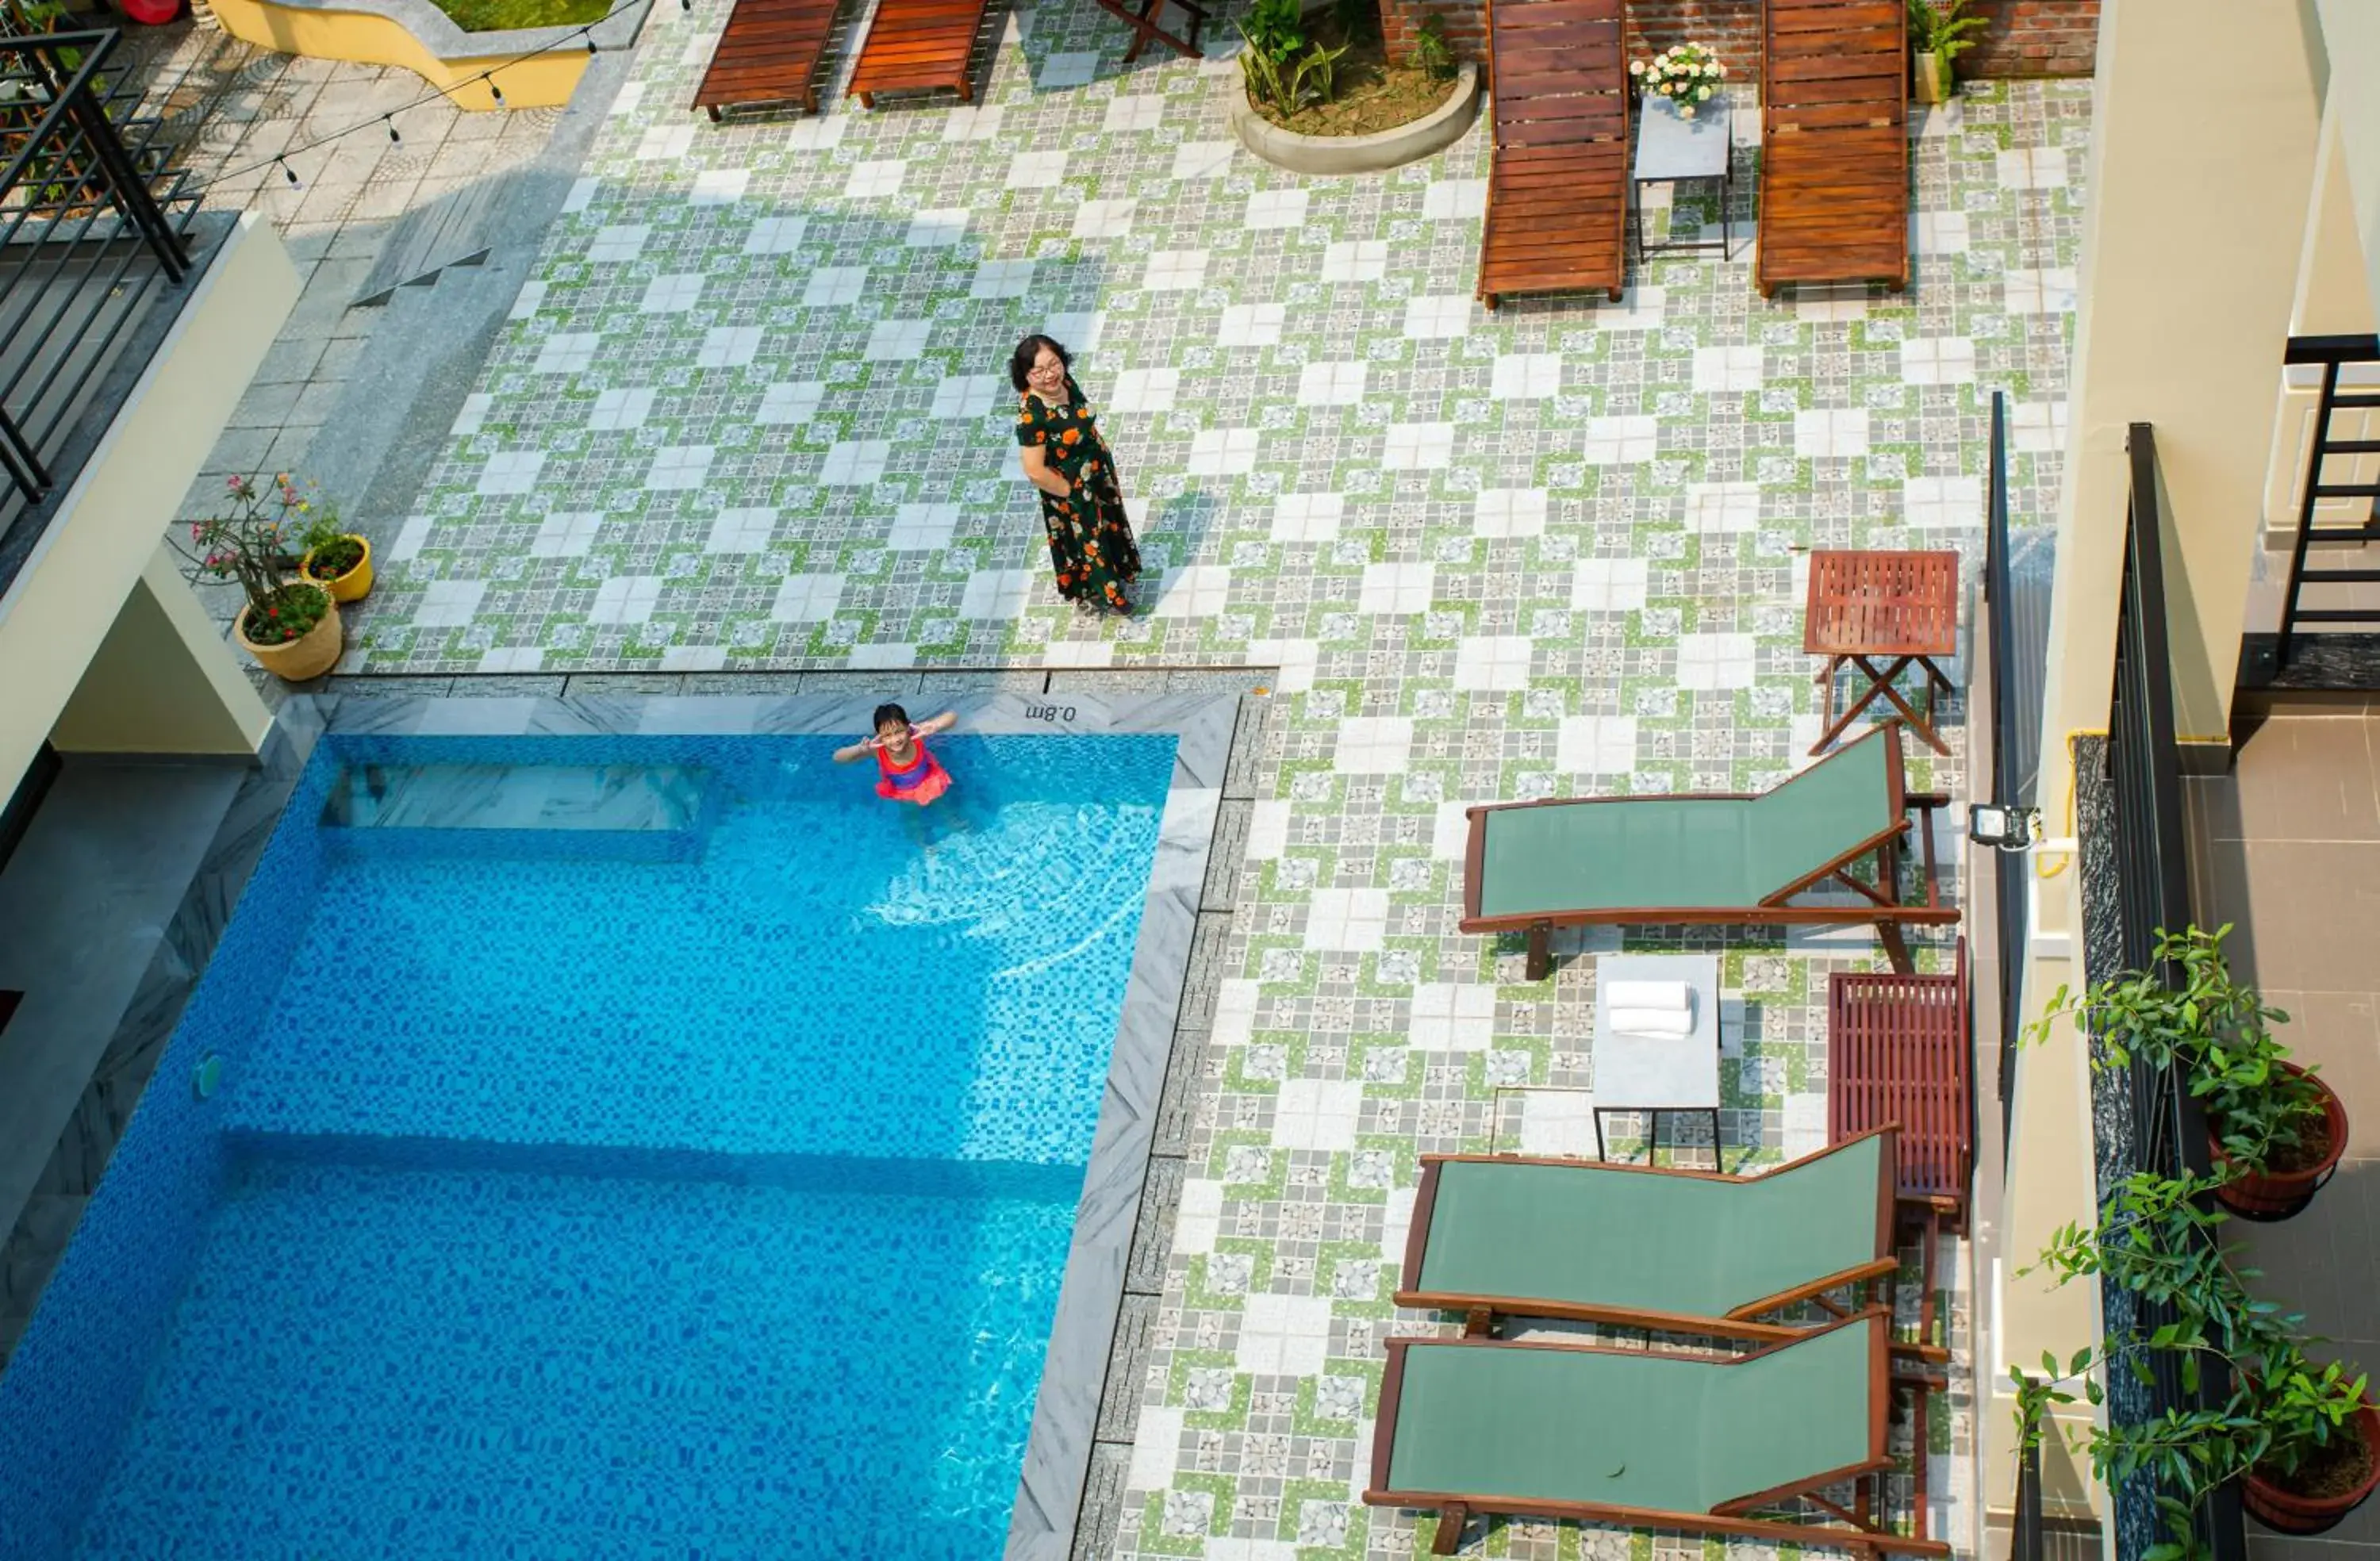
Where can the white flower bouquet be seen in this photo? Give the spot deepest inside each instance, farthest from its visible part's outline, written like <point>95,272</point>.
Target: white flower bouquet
<point>1686,73</point>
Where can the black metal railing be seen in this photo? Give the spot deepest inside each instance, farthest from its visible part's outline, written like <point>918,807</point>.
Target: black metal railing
<point>2167,1133</point>
<point>2027,1538</point>
<point>2330,354</point>
<point>2009,867</point>
<point>91,223</point>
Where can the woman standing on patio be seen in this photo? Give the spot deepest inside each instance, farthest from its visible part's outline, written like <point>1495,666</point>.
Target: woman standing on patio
<point>1091,548</point>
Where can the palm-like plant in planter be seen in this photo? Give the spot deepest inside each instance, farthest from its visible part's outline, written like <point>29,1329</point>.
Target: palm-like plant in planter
<point>2275,1130</point>
<point>2300,1436</point>
<point>1937,35</point>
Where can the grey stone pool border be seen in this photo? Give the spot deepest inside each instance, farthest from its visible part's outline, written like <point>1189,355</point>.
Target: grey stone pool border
<point>1069,1495</point>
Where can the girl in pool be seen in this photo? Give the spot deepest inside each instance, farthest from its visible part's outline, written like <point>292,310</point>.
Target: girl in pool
<point>904,771</point>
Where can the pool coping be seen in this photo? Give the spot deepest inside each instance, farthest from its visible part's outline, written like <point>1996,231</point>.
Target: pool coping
<point>1077,1372</point>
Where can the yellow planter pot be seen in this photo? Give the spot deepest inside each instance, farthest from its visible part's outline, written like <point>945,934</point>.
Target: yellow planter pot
<point>354,584</point>
<point>1932,79</point>
<point>310,656</point>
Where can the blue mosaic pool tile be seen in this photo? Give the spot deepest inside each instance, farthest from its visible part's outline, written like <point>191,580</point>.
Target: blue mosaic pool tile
<point>815,984</point>
<point>76,1373</point>
<point>590,1170</point>
<point>377,1363</point>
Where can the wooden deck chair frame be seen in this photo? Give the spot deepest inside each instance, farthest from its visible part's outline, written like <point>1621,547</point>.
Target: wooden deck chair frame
<point>1777,128</point>
<point>1883,905</point>
<point>1509,165</point>
<point>1856,1528</point>
<point>769,53</point>
<point>1749,1320</point>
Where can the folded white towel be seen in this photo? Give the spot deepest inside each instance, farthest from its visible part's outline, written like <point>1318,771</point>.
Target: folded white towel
<point>1658,1023</point>
<point>1675,997</point>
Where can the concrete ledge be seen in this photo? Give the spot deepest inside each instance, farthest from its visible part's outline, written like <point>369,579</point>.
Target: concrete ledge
<point>1433,132</point>
<point>423,38</point>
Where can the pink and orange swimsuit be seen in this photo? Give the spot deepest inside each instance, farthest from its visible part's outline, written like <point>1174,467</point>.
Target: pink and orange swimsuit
<point>920,781</point>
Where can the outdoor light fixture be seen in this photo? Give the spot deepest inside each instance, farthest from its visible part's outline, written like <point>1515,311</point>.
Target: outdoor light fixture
<point>2002,829</point>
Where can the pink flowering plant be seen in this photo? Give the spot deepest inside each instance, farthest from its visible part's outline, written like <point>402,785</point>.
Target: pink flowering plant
<point>251,544</point>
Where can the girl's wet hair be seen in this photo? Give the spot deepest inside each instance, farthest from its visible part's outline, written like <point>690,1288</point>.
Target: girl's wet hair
<point>889,715</point>
<point>1020,362</point>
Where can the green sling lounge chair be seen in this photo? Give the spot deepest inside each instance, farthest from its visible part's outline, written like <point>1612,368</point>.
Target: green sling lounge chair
<point>1675,1251</point>
<point>1733,861</point>
<point>1646,1440</point>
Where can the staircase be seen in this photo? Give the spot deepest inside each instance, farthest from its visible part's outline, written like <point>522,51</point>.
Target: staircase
<point>2325,644</point>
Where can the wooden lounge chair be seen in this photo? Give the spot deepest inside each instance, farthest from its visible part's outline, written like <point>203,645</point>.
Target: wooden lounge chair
<point>1675,1251</point>
<point>768,53</point>
<point>1558,176</point>
<point>919,45</point>
<point>1834,147</point>
<point>1649,1440</point>
<point>1730,860</point>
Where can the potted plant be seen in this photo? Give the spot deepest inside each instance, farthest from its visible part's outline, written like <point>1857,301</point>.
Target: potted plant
<point>1684,76</point>
<point>339,561</point>
<point>2275,1129</point>
<point>1938,35</point>
<point>290,627</point>
<point>2302,1438</point>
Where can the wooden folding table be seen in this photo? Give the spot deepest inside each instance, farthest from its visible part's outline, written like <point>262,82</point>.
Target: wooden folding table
<point>1865,606</point>
<point>1144,28</point>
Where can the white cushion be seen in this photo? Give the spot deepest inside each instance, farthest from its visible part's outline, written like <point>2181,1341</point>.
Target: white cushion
<point>1662,1024</point>
<point>1670,997</point>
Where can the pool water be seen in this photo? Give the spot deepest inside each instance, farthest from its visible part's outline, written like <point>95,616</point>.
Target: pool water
<point>686,1172</point>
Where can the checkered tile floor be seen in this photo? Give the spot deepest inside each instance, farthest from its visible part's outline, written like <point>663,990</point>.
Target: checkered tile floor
<point>752,414</point>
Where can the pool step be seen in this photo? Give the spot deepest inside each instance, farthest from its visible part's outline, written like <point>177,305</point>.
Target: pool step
<point>642,813</point>
<point>883,1175</point>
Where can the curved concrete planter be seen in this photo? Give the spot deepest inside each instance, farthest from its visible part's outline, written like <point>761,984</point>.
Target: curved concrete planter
<point>418,36</point>
<point>1434,132</point>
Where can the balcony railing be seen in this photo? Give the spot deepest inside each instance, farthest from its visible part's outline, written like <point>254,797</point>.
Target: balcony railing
<point>92,225</point>
<point>2010,868</point>
<point>2161,1130</point>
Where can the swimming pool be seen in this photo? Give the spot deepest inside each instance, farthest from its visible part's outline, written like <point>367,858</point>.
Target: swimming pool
<point>625,1146</point>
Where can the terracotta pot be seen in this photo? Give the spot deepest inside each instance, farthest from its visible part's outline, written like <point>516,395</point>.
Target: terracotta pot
<point>2279,1194</point>
<point>2289,1513</point>
<point>308,656</point>
<point>354,584</point>
<point>1931,79</point>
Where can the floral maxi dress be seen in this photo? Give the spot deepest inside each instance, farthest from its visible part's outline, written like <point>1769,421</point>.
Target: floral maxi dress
<point>1091,548</point>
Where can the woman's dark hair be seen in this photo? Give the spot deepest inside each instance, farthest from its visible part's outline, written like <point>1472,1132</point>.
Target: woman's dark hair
<point>1020,362</point>
<point>888,715</point>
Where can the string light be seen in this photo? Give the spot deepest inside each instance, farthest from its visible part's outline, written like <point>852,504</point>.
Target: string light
<point>585,33</point>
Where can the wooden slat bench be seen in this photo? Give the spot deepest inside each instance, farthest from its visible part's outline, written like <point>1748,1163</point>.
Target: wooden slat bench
<point>1558,176</point>
<point>919,45</point>
<point>1898,1050</point>
<point>1834,146</point>
<point>768,53</point>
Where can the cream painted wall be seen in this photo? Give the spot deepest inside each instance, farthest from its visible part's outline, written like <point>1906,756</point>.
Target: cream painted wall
<point>2049,1181</point>
<point>2334,297</point>
<point>64,602</point>
<point>2190,254</point>
<point>2350,30</point>
<point>161,683</point>
<point>2190,245</point>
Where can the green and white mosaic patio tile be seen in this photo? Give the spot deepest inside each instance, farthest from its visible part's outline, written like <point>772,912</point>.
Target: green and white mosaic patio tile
<point>752,413</point>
